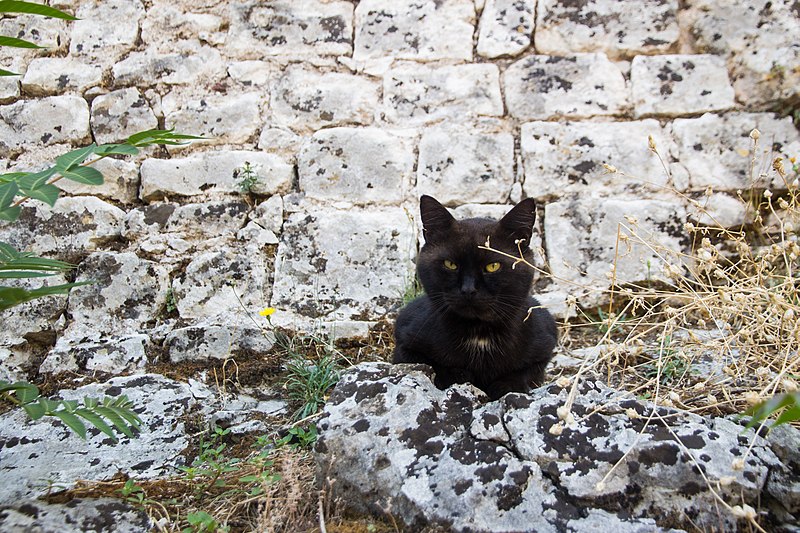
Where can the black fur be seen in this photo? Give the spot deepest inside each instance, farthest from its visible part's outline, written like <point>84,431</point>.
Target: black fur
<point>471,325</point>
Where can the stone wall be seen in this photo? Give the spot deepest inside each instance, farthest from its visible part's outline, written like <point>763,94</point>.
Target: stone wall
<point>346,112</point>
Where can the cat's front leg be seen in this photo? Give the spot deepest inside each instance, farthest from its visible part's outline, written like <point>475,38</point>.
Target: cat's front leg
<point>448,375</point>
<point>519,381</point>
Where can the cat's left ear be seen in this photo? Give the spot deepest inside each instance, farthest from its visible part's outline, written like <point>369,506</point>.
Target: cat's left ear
<point>519,221</point>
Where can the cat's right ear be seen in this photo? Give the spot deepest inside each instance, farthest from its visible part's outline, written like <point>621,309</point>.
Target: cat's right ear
<point>437,222</point>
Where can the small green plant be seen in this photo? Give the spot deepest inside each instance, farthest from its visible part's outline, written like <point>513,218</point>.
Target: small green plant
<point>247,176</point>
<point>171,305</point>
<point>211,463</point>
<point>110,412</point>
<point>413,289</point>
<point>608,321</point>
<point>202,522</point>
<point>308,383</point>
<point>299,437</point>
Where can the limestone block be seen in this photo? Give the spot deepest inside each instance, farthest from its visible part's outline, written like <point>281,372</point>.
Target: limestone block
<point>540,87</point>
<point>9,88</point>
<point>582,239</point>
<point>416,94</point>
<point>717,151</point>
<point>119,114</point>
<point>459,165</point>
<point>127,293</point>
<point>304,99</point>
<point>114,355</point>
<point>290,28</point>
<point>269,214</point>
<point>55,75</point>
<point>221,119</point>
<point>675,85</point>
<point>619,29</point>
<point>387,434</point>
<point>108,41</point>
<point>282,141</point>
<point>51,120</point>
<point>252,73</point>
<point>226,283</point>
<point>719,210</point>
<point>214,172</point>
<point>759,38</point>
<point>46,449</point>
<point>69,230</point>
<point>568,157</point>
<point>165,21</point>
<point>358,165</point>
<point>406,29</point>
<point>186,63</point>
<point>204,341</point>
<point>506,27</point>
<point>343,265</point>
<point>47,32</point>
<point>121,182</point>
<point>92,514</point>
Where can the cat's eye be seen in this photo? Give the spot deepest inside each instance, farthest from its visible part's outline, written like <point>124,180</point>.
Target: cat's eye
<point>492,267</point>
<point>449,265</point>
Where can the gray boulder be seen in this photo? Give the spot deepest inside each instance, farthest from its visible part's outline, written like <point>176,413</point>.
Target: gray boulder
<point>390,441</point>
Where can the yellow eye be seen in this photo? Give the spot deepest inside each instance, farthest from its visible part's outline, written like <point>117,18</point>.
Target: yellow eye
<point>449,265</point>
<point>492,267</point>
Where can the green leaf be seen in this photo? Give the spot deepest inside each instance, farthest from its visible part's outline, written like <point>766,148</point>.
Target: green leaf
<point>24,391</point>
<point>12,176</point>
<point>46,193</point>
<point>68,161</point>
<point>116,149</point>
<point>35,410</point>
<point>10,214</point>
<point>4,72</point>
<point>17,43</point>
<point>789,403</point>
<point>11,296</point>
<point>72,421</point>
<point>112,415</point>
<point>87,175</point>
<point>8,191</point>
<point>97,421</point>
<point>146,138</point>
<point>32,180</point>
<point>14,6</point>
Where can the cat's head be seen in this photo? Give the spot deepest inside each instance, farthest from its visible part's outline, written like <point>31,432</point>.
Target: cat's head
<point>463,278</point>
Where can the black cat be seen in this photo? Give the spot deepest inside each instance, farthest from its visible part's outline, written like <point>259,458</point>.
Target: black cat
<point>476,322</point>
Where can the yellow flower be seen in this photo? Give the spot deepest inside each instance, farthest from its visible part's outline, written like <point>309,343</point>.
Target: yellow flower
<point>266,311</point>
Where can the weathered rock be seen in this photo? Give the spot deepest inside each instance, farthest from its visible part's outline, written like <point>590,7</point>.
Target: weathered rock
<point>253,73</point>
<point>717,150</point>
<point>414,94</point>
<point>296,28</point>
<point>218,118</point>
<point>186,63</point>
<point>506,27</point>
<point>78,516</point>
<point>56,75</point>
<point>719,210</point>
<point>64,458</point>
<point>106,42</point>
<point>758,36</point>
<point>574,86</point>
<point>166,20</point>
<point>620,30</point>
<point>343,265</point>
<point>121,182</point>
<point>114,355</point>
<point>71,229</point>
<point>193,222</point>
<point>676,85</point>
<point>583,244</point>
<point>445,458</point>
<point>305,99</point>
<point>214,172</point>
<point>359,165</point>
<point>51,120</point>
<point>235,339</point>
<point>229,282</point>
<point>119,114</point>
<point>405,29</point>
<point>9,88</point>
<point>568,157</point>
<point>127,293</point>
<point>460,165</point>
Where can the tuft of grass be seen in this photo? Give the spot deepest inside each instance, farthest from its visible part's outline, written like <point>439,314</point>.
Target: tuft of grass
<point>308,383</point>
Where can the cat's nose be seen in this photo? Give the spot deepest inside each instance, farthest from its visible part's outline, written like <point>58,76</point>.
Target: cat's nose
<point>468,287</point>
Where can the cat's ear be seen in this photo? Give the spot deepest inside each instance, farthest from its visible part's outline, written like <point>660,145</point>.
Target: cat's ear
<point>437,221</point>
<point>518,223</point>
